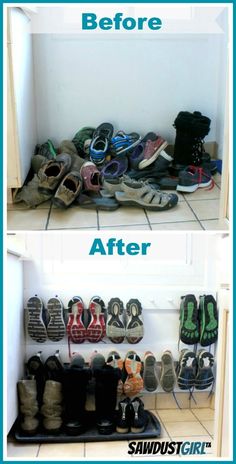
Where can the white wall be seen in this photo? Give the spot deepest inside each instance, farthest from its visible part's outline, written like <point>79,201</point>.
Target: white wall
<point>136,84</point>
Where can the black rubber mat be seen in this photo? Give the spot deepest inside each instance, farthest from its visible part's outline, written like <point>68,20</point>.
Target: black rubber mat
<point>153,430</point>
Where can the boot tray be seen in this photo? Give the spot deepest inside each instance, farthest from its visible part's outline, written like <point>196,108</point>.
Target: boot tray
<point>153,430</point>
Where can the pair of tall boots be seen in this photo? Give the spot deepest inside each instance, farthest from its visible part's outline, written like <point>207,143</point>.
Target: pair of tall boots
<point>191,129</point>
<point>75,385</point>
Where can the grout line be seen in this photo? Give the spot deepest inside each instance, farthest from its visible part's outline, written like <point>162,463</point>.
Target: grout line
<point>48,218</point>
<point>204,199</point>
<point>84,449</point>
<point>37,454</point>
<point>98,223</point>
<point>146,214</point>
<point>198,220</point>
<point>72,228</point>
<point>205,427</point>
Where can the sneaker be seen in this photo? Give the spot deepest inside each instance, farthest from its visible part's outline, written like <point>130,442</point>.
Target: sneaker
<point>134,330</point>
<point>54,367</point>
<point>115,168</point>
<point>150,372</point>
<point>68,190</point>
<point>151,151</point>
<point>47,149</point>
<point>189,322</point>
<point>114,360</point>
<point>115,328</point>
<point>36,327</point>
<point>56,328</point>
<point>208,320</point>
<point>100,143</point>
<point>91,177</point>
<point>82,140</point>
<point>52,172</point>
<point>141,194</point>
<point>123,143</point>
<point>204,377</point>
<point>75,328</point>
<point>193,178</point>
<point>187,370</point>
<point>168,375</point>
<point>96,329</point>
<point>139,417</point>
<point>134,382</point>
<point>124,416</point>
<point>66,146</point>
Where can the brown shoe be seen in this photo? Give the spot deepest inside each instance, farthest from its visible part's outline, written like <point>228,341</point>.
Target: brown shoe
<point>52,172</point>
<point>91,176</point>
<point>68,190</point>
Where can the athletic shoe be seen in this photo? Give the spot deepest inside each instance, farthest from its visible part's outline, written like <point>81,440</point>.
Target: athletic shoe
<point>168,375</point>
<point>134,382</point>
<point>82,140</point>
<point>187,370</point>
<point>189,322</point>
<point>123,143</point>
<point>134,330</point>
<point>66,146</point>
<point>204,377</point>
<point>35,323</point>
<point>150,372</point>
<point>151,151</point>
<point>96,329</point>
<point>91,177</point>
<point>100,143</point>
<point>52,172</point>
<point>76,329</point>
<point>123,416</point>
<point>68,190</point>
<point>208,320</point>
<point>139,417</point>
<point>115,328</point>
<point>47,149</point>
<point>97,361</point>
<point>56,328</point>
<point>115,168</point>
<point>193,178</point>
<point>114,360</point>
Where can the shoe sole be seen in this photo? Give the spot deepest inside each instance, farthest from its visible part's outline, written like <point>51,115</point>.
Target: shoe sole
<point>127,202</point>
<point>144,163</point>
<point>192,188</point>
<point>208,315</point>
<point>168,375</point>
<point>60,204</point>
<point>137,430</point>
<point>120,430</point>
<point>190,312</point>
<point>185,382</point>
<point>149,375</point>
<point>97,327</point>
<point>115,330</point>
<point>201,382</point>
<point>35,325</point>
<point>56,328</point>
<point>134,325</point>
<point>133,385</point>
<point>75,326</point>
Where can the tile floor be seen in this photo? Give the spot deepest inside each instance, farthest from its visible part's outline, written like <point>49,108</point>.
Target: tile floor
<point>195,211</point>
<point>177,425</point>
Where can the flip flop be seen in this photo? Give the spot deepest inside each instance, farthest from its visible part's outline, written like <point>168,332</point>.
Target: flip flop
<point>91,201</point>
<point>208,320</point>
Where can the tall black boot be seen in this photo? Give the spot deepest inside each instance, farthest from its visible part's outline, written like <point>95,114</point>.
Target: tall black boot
<point>105,397</point>
<point>75,381</point>
<point>191,128</point>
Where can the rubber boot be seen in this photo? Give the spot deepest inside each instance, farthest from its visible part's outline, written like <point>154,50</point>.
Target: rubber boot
<point>191,128</point>
<point>27,393</point>
<point>75,382</point>
<point>105,397</point>
<point>52,406</point>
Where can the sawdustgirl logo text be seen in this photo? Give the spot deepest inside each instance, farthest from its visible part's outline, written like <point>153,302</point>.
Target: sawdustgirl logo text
<point>168,447</point>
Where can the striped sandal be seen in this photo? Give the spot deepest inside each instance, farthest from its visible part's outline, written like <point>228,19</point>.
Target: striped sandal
<point>134,382</point>
<point>96,329</point>
<point>35,321</point>
<point>56,328</point>
<point>134,325</point>
<point>75,328</point>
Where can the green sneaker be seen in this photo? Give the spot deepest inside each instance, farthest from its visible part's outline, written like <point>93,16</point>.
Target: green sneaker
<point>189,323</point>
<point>208,320</point>
<point>82,140</point>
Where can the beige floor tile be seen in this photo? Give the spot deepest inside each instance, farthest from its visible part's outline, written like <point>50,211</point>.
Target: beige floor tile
<point>149,401</point>
<point>72,218</point>
<point>214,224</point>
<point>17,450</point>
<point>207,209</point>
<point>130,227</point>
<point>203,400</point>
<point>209,425</point>
<point>176,415</point>
<point>33,219</point>
<point>188,225</point>
<point>203,194</point>
<point>189,428</point>
<point>111,450</point>
<point>22,205</point>
<point>204,413</point>
<point>181,212</point>
<point>164,433</point>
<point>122,217</point>
<point>61,450</point>
<point>217,178</point>
<point>167,401</point>
<point>202,438</point>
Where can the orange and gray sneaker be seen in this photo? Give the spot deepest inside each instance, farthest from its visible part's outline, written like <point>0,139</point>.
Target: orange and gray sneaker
<point>150,378</point>
<point>114,360</point>
<point>134,382</point>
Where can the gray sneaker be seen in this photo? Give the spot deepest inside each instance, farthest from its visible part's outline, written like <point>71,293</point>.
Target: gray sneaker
<point>68,190</point>
<point>52,172</point>
<point>143,195</point>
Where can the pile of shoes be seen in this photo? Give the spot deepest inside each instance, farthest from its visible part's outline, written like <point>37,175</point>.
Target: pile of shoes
<point>102,169</point>
<point>83,324</point>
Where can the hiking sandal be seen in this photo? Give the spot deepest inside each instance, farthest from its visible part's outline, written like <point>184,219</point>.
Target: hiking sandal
<point>123,143</point>
<point>189,323</point>
<point>150,379</point>
<point>56,328</point>
<point>134,325</point>
<point>75,326</point>
<point>141,194</point>
<point>204,378</point>
<point>187,370</point>
<point>96,329</point>
<point>168,375</point>
<point>208,320</point>
<point>115,328</point>
<point>35,324</point>
<point>100,142</point>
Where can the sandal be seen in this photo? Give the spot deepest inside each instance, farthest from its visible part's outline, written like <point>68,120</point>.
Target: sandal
<point>189,323</point>
<point>208,320</point>
<point>115,328</point>
<point>134,325</point>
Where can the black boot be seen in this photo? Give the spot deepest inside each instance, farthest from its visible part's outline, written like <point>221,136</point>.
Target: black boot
<point>105,397</point>
<point>36,369</point>
<point>75,381</point>
<point>191,128</point>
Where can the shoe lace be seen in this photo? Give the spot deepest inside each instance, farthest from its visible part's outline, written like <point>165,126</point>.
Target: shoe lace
<point>201,173</point>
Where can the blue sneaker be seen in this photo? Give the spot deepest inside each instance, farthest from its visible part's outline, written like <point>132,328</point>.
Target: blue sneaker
<point>123,143</point>
<point>100,142</point>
